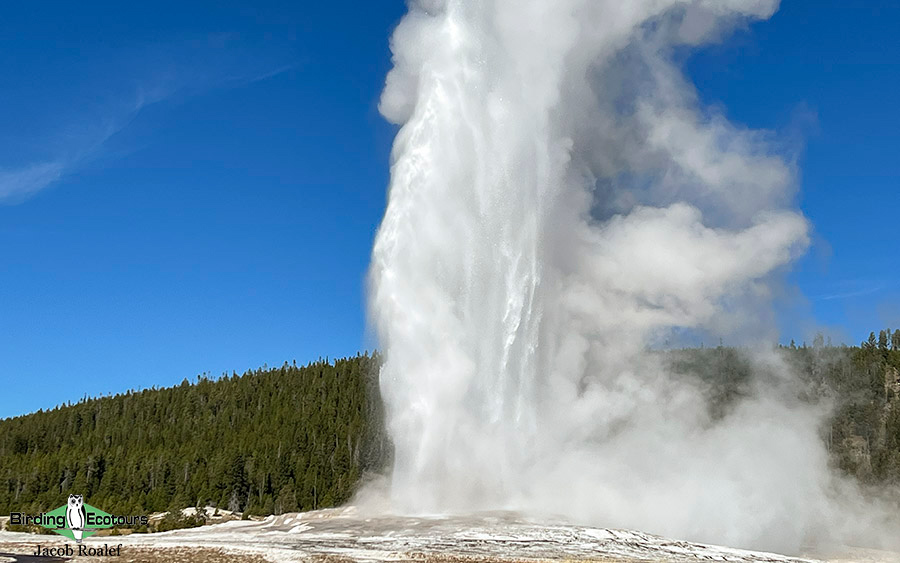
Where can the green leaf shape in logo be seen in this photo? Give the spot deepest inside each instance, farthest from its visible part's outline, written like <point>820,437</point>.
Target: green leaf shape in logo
<point>93,515</point>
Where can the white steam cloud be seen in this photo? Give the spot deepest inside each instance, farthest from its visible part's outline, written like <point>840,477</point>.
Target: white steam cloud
<point>559,202</point>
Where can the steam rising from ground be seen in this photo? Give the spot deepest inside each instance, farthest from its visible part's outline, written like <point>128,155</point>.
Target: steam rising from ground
<point>558,203</point>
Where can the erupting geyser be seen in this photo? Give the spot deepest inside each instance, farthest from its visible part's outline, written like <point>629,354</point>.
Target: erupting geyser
<point>558,203</point>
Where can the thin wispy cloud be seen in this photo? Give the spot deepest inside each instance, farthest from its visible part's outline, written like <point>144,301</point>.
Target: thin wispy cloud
<point>853,288</point>
<point>165,77</point>
<point>79,143</point>
<point>18,184</point>
<point>266,75</point>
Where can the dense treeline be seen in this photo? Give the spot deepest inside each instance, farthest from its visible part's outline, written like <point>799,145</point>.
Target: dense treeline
<point>864,384</point>
<point>860,383</point>
<point>299,438</point>
<point>269,441</point>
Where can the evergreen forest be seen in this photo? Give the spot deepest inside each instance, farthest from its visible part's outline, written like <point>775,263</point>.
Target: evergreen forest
<point>296,438</point>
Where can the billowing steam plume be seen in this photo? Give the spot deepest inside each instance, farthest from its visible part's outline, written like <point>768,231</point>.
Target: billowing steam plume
<point>559,203</point>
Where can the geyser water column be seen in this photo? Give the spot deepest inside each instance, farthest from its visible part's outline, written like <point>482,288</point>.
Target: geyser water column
<point>558,202</point>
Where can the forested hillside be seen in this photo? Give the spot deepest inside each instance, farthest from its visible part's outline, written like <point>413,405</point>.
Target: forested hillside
<point>269,441</point>
<point>860,383</point>
<point>299,438</point>
<point>864,385</point>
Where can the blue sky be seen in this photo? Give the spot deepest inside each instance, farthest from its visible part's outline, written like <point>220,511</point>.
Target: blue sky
<point>192,187</point>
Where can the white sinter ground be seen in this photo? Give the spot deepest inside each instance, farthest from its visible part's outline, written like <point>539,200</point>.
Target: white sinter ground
<point>351,535</point>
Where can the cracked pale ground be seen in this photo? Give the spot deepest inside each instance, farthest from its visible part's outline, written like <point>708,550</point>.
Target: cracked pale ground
<point>348,535</point>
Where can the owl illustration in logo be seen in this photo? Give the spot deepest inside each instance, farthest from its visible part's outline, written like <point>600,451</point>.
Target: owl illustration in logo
<point>75,517</point>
